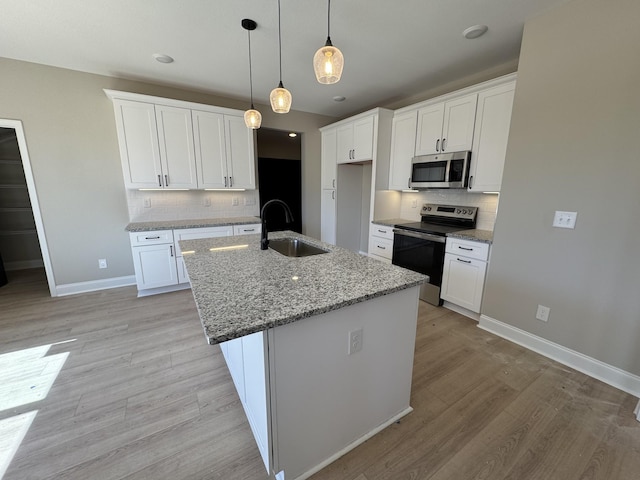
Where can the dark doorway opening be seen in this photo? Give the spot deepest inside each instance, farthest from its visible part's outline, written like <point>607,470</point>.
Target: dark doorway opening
<point>280,176</point>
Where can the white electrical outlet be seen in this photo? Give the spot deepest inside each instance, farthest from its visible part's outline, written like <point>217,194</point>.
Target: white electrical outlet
<point>206,202</point>
<point>543,313</point>
<point>102,263</point>
<point>355,341</point>
<point>234,201</point>
<point>147,202</point>
<point>414,203</point>
<point>565,219</point>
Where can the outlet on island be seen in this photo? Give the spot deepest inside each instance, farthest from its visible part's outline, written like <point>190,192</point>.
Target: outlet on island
<point>355,341</point>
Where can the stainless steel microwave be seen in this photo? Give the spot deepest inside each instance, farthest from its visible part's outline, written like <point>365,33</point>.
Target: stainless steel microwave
<point>441,170</point>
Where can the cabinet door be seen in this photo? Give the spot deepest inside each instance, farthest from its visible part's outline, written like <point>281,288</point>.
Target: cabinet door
<point>211,155</point>
<point>175,137</point>
<point>429,134</point>
<point>138,141</point>
<point>344,149</point>
<point>236,365</point>
<point>363,133</point>
<point>463,281</point>
<point>183,276</point>
<point>155,266</point>
<point>328,155</point>
<point>459,120</point>
<point>493,120</point>
<point>403,144</point>
<point>328,216</point>
<point>241,158</point>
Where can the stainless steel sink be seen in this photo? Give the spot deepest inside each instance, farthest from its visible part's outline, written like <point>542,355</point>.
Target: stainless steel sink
<point>294,247</point>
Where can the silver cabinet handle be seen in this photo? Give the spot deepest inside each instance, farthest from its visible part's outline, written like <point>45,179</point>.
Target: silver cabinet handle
<point>166,180</point>
<point>249,230</point>
<point>437,145</point>
<point>333,195</point>
<point>171,249</point>
<point>157,237</point>
<point>333,182</point>
<point>409,182</point>
<point>465,248</point>
<point>470,181</point>
<point>382,231</point>
<point>230,181</point>
<point>463,261</point>
<point>381,248</point>
<point>159,181</point>
<point>443,141</point>
<point>225,182</point>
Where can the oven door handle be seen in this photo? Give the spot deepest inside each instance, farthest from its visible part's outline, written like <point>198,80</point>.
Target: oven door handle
<point>420,235</point>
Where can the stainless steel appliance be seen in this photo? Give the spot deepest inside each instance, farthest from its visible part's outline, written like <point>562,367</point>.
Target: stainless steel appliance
<point>420,246</point>
<point>442,170</point>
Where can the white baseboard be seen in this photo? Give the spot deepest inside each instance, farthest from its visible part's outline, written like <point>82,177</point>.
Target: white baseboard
<point>93,285</point>
<point>23,265</point>
<point>353,445</point>
<point>614,376</point>
<point>167,289</point>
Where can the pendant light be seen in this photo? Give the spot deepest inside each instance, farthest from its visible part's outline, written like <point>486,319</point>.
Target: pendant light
<point>280,97</point>
<point>252,117</point>
<point>328,60</point>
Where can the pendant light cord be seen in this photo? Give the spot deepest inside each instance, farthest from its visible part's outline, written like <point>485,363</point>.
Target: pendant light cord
<point>280,43</point>
<point>250,72</point>
<point>328,20</point>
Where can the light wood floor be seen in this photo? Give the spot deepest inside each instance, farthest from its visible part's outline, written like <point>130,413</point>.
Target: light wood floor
<point>142,396</point>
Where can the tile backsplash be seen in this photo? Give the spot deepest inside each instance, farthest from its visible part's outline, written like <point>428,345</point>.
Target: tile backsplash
<point>153,205</point>
<point>487,204</point>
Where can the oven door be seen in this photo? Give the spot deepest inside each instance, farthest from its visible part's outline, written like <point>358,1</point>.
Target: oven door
<point>423,253</point>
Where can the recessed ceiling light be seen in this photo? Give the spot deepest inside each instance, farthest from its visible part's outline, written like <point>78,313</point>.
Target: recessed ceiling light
<point>339,98</point>
<point>162,58</point>
<point>293,134</point>
<point>475,31</point>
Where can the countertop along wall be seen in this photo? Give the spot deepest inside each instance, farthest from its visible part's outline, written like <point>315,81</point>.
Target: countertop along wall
<point>573,146</point>
<point>70,131</point>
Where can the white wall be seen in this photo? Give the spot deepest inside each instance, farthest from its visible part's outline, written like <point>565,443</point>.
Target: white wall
<point>573,146</point>
<point>70,131</point>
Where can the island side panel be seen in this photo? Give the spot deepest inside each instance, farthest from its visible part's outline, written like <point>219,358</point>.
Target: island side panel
<point>325,401</point>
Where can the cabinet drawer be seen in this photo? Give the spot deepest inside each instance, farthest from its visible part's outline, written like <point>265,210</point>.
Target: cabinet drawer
<point>204,232</point>
<point>155,237</point>
<point>382,231</point>
<point>469,249</point>
<point>247,229</point>
<point>383,247</point>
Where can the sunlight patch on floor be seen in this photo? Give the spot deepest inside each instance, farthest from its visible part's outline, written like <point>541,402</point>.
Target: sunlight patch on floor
<point>12,431</point>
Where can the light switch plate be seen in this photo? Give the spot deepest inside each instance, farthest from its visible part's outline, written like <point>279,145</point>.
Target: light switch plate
<point>565,219</point>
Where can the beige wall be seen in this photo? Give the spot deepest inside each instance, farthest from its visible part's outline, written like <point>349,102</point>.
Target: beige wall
<point>574,146</point>
<point>71,138</point>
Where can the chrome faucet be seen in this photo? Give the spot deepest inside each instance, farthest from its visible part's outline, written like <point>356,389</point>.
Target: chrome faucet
<point>264,241</point>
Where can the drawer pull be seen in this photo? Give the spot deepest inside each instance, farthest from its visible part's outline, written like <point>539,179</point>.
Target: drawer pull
<point>166,180</point>
<point>171,249</point>
<point>382,231</point>
<point>381,248</point>
<point>249,230</point>
<point>157,237</point>
<point>463,261</point>
<point>159,181</point>
<point>465,248</point>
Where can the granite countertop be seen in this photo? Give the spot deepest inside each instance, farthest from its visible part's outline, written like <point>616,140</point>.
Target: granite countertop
<point>392,222</point>
<point>240,289</point>
<point>194,223</point>
<point>485,236</point>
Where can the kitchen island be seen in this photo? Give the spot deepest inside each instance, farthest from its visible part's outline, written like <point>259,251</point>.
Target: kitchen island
<point>320,348</point>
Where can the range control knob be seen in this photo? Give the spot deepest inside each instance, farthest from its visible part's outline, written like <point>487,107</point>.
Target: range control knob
<point>458,210</point>
<point>464,212</point>
<point>428,209</point>
<point>470,212</point>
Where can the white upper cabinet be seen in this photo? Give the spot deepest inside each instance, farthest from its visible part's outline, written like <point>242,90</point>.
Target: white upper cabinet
<point>138,141</point>
<point>328,162</point>
<point>446,126</point>
<point>169,144</point>
<point>175,137</point>
<point>491,135</point>
<point>355,140</point>
<point>403,140</point>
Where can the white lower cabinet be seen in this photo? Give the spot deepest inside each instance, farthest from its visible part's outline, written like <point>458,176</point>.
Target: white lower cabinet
<point>381,242</point>
<point>465,267</point>
<point>155,266</point>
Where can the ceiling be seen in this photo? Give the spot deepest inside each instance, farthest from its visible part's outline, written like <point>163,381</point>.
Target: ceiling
<point>391,49</point>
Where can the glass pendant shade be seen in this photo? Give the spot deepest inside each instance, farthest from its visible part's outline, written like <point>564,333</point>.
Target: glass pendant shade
<point>252,118</point>
<point>280,99</point>
<point>327,64</point>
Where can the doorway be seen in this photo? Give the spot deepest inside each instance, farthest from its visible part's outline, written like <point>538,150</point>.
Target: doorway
<point>22,241</point>
<point>280,176</point>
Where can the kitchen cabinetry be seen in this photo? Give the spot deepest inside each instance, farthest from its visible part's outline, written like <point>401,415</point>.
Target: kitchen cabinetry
<point>170,144</point>
<point>355,140</point>
<point>329,183</point>
<point>328,210</point>
<point>403,146</point>
<point>158,260</point>
<point>381,242</point>
<point>465,266</point>
<point>493,120</point>
<point>446,126</point>
<point>224,151</point>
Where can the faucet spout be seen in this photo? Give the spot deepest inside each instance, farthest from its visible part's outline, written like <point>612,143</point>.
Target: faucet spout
<point>264,240</point>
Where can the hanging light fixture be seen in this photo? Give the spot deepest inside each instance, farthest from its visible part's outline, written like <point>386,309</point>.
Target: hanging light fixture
<point>252,117</point>
<point>280,97</point>
<point>328,60</point>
